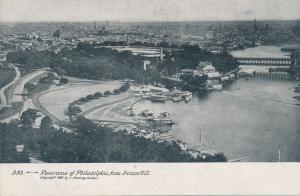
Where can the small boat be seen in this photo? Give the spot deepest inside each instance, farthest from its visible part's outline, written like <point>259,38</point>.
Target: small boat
<point>225,78</point>
<point>158,98</point>
<point>137,94</point>
<point>217,87</point>
<point>178,98</point>
<point>145,96</point>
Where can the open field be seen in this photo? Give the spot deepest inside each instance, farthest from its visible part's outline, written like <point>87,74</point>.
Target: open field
<point>57,101</point>
<point>116,111</point>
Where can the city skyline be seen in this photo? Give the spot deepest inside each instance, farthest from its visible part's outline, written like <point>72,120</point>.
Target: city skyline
<point>147,10</point>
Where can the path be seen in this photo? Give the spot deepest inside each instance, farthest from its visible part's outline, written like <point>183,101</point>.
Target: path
<point>17,89</point>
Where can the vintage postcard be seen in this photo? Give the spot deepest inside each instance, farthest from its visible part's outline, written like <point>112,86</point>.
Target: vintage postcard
<point>149,97</point>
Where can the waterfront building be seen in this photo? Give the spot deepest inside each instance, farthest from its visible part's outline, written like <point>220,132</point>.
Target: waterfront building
<point>213,75</point>
<point>210,70</point>
<point>191,72</point>
<point>187,72</point>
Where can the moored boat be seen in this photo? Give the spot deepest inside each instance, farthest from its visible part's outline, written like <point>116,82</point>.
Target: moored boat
<point>178,98</point>
<point>158,98</point>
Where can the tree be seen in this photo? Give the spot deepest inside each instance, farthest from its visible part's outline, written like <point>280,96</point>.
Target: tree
<point>107,93</point>
<point>46,123</point>
<point>51,76</point>
<point>73,110</point>
<point>29,116</point>
<point>98,94</point>
<point>117,91</point>
<point>48,79</point>
<point>63,81</point>
<point>90,97</point>
<point>30,86</point>
<point>124,87</point>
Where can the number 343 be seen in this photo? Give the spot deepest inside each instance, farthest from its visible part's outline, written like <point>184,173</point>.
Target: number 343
<point>17,172</point>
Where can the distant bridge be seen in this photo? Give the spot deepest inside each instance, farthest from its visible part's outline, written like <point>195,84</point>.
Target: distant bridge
<point>264,61</point>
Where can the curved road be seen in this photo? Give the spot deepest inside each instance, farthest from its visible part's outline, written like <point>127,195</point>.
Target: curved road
<point>17,89</point>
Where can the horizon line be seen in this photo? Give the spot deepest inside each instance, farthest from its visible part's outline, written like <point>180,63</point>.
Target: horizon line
<point>146,21</point>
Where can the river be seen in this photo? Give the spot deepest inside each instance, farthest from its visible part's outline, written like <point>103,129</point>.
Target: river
<point>264,51</point>
<point>249,119</point>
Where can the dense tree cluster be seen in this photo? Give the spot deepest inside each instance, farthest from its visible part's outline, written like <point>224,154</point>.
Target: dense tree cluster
<point>194,83</point>
<point>89,143</point>
<point>95,62</point>
<point>49,78</point>
<point>63,81</point>
<point>11,135</point>
<point>6,76</point>
<point>189,56</point>
<point>86,61</point>
<point>29,86</point>
<point>29,116</point>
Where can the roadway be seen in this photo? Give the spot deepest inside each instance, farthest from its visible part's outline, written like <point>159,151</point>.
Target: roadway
<point>17,88</point>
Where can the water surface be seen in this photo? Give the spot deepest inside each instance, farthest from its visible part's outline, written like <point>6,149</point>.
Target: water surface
<point>249,120</point>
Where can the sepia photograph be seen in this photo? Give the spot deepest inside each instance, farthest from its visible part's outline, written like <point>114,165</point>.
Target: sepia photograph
<point>149,97</point>
<point>149,81</point>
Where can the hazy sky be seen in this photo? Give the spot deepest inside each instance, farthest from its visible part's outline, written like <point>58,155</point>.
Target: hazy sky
<point>147,10</point>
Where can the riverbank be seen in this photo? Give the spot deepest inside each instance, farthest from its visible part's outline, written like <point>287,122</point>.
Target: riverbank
<point>249,103</point>
<point>41,146</point>
<point>248,119</point>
